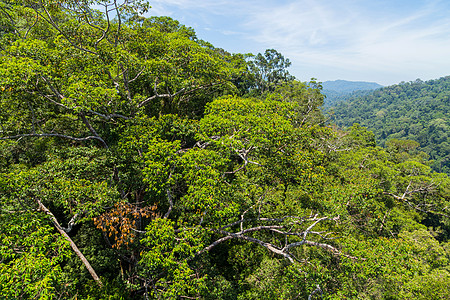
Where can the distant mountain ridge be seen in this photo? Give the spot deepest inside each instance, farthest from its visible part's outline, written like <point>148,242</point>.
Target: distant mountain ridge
<point>340,90</point>
<point>345,86</point>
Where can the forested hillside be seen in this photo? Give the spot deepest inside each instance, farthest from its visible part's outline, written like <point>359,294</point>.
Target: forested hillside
<point>418,111</point>
<point>140,162</point>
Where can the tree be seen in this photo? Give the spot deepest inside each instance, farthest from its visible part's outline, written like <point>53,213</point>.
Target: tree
<point>102,73</point>
<point>244,179</point>
<point>75,74</point>
<point>31,255</point>
<point>269,70</point>
<point>307,98</point>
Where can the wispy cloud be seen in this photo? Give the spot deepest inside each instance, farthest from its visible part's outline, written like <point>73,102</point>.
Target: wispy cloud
<point>189,6</point>
<point>348,36</point>
<point>383,40</point>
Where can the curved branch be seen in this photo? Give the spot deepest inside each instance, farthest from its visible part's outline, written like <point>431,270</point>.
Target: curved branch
<point>11,19</point>
<point>231,235</point>
<point>169,198</point>
<point>105,31</point>
<point>119,18</point>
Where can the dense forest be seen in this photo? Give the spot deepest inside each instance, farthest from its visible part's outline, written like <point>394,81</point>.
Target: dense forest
<point>418,111</point>
<point>140,162</point>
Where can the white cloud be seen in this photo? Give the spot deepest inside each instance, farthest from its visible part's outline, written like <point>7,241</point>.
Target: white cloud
<point>300,23</point>
<point>382,39</point>
<point>344,35</point>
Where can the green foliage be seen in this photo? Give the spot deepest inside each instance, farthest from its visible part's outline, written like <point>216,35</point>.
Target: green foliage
<point>167,24</point>
<point>165,261</point>
<point>362,136</point>
<point>177,170</point>
<point>412,267</point>
<point>30,258</point>
<point>307,99</point>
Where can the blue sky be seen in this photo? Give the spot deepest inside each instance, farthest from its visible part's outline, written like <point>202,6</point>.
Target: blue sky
<point>383,41</point>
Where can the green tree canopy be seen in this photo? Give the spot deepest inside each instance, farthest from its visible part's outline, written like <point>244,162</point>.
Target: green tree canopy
<point>139,162</point>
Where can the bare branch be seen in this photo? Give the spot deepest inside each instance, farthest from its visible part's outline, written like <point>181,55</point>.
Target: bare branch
<point>72,244</point>
<point>55,91</point>
<point>91,129</point>
<point>231,235</point>
<point>125,81</point>
<point>71,223</point>
<point>169,198</point>
<point>119,17</point>
<point>281,230</point>
<point>421,189</point>
<point>35,22</point>
<point>137,75</point>
<point>11,19</point>
<point>317,290</point>
<point>50,20</point>
<point>406,191</point>
<point>20,136</point>
<point>157,96</point>
<point>182,91</point>
<point>243,154</point>
<point>105,31</point>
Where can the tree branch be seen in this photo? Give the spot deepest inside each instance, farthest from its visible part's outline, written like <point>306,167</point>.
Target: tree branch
<point>20,136</point>
<point>72,244</point>
<point>51,22</point>
<point>182,91</point>
<point>71,223</point>
<point>416,207</point>
<point>91,129</point>
<point>278,229</point>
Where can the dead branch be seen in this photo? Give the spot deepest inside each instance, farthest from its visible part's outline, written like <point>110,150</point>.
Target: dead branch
<point>71,223</point>
<point>181,91</point>
<point>420,189</point>
<point>280,229</point>
<point>48,18</point>
<point>61,230</point>
<point>20,136</point>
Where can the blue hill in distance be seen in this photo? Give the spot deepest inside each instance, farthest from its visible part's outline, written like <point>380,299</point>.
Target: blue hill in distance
<point>339,90</point>
<point>344,86</point>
